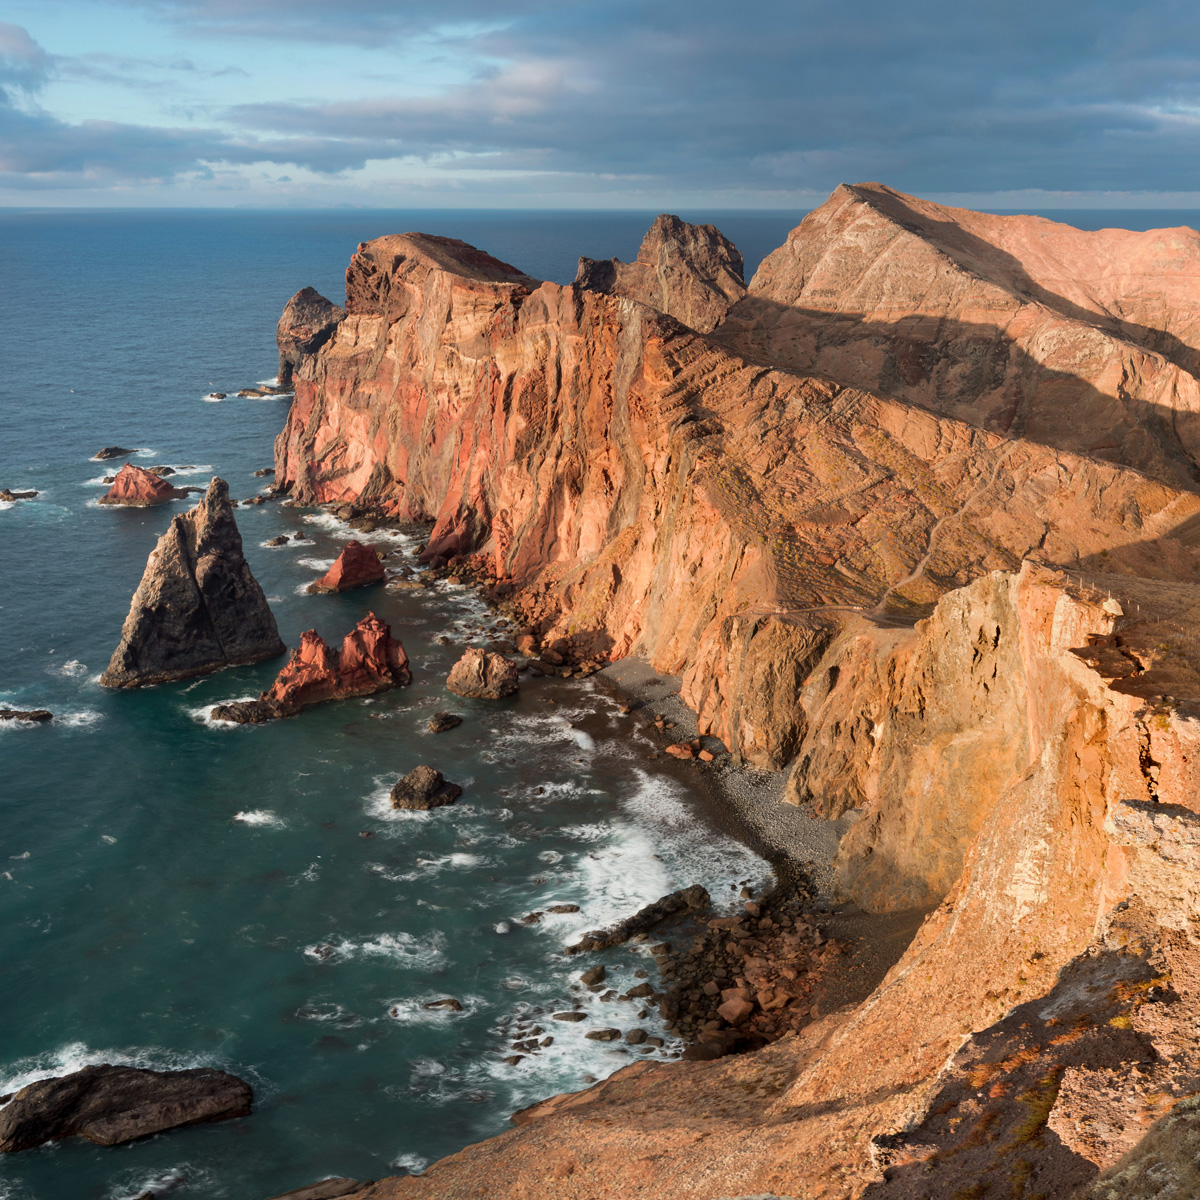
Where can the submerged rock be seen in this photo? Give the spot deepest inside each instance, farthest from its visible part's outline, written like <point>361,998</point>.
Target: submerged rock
<point>109,1105</point>
<point>137,488</point>
<point>370,661</point>
<point>198,608</point>
<point>357,566</point>
<point>112,452</point>
<point>424,788</point>
<point>482,675</point>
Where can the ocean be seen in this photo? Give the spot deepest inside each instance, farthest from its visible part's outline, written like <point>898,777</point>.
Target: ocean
<point>178,893</point>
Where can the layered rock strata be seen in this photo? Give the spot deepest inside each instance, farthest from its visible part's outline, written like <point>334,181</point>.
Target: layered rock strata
<point>110,1105</point>
<point>370,661</point>
<point>136,488</point>
<point>198,607</point>
<point>357,566</point>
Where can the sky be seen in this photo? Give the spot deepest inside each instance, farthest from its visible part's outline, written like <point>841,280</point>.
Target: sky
<point>680,104</point>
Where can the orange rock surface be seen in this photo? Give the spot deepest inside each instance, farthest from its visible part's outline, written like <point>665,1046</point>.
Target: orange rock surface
<point>918,519</point>
<point>139,489</point>
<point>356,566</point>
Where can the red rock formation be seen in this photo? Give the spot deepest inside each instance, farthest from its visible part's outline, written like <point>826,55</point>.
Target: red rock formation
<point>139,489</point>
<point>482,675</point>
<point>370,661</point>
<point>356,566</point>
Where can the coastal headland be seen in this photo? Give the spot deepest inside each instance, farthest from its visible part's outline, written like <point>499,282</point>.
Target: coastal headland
<point>914,516</point>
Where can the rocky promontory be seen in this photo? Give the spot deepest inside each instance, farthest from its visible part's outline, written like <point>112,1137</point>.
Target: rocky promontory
<point>370,661</point>
<point>198,607</point>
<point>916,518</point>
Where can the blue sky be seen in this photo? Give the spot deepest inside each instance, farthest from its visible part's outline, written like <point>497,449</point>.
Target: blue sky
<point>525,103</point>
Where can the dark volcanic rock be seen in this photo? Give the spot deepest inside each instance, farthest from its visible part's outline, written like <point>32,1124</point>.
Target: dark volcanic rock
<point>692,272</point>
<point>198,608</point>
<point>645,919</point>
<point>112,452</point>
<point>424,788</point>
<point>482,675</point>
<point>356,566</point>
<point>8,495</point>
<point>33,714</point>
<point>247,712</point>
<point>442,721</point>
<point>307,323</point>
<point>109,1105</point>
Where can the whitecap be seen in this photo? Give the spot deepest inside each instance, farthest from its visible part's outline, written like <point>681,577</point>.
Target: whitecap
<point>317,564</point>
<point>411,1010</point>
<point>414,1164</point>
<point>74,1056</point>
<point>260,816</point>
<point>158,1184</point>
<point>84,719</point>
<point>72,669</point>
<point>403,949</point>
<point>203,713</point>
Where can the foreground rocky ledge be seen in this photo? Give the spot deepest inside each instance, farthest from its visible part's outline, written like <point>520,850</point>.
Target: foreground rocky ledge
<point>198,608</point>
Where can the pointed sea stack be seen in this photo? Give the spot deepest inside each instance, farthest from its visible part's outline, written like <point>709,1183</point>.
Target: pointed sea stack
<point>198,608</point>
<point>137,488</point>
<point>357,566</point>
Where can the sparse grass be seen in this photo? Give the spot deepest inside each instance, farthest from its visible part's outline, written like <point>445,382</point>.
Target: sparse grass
<point>1039,1100</point>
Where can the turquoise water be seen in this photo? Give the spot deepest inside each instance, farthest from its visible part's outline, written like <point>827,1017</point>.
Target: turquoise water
<point>174,893</point>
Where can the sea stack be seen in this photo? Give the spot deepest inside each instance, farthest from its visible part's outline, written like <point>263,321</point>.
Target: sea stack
<point>307,323</point>
<point>137,488</point>
<point>370,661</point>
<point>198,608</point>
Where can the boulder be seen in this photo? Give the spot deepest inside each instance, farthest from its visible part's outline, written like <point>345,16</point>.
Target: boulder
<point>449,1004</point>
<point>593,975</point>
<point>215,396</point>
<point>736,1010</point>
<point>281,540</point>
<point>482,675</point>
<point>442,721</point>
<point>112,452</point>
<point>424,788</point>
<point>136,488</point>
<point>109,1105</point>
<point>161,472</point>
<point>32,714</point>
<point>602,1035</point>
<point>356,566</point>
<point>198,608</point>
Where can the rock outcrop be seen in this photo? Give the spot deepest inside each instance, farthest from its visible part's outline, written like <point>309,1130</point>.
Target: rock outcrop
<point>111,452</point>
<point>30,714</point>
<point>424,788</point>
<point>137,488</point>
<point>357,566</point>
<point>370,661</point>
<point>483,675</point>
<point>691,272</point>
<point>198,608</point>
<point>109,1105</point>
<point>307,323</point>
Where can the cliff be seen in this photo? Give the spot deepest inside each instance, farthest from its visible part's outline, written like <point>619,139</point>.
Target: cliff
<point>916,517</point>
<point>198,608</point>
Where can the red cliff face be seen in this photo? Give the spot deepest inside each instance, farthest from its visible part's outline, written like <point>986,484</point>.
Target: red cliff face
<point>139,489</point>
<point>356,566</point>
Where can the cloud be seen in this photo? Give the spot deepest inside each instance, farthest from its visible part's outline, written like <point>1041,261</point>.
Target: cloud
<point>774,99</point>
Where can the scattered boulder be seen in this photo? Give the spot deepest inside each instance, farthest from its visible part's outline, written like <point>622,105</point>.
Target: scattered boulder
<point>735,1010</point>
<point>112,452</point>
<point>32,714</point>
<point>109,1105</point>
<point>695,898</point>
<point>636,1037</point>
<point>424,788</point>
<point>281,540</point>
<point>198,608</point>
<point>136,488</point>
<point>356,566</point>
<point>483,675</point>
<point>602,1035</point>
<point>563,908</point>
<point>571,1017</point>
<point>449,1004</point>
<point>593,975</point>
<point>215,396</point>
<point>370,661</point>
<point>440,722</point>
<point>327,1189</point>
